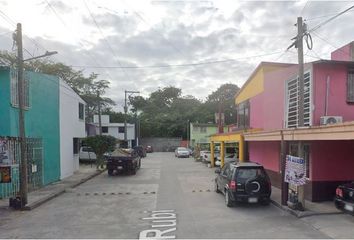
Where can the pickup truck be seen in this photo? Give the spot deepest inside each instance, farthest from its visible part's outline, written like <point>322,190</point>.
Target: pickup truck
<point>123,160</point>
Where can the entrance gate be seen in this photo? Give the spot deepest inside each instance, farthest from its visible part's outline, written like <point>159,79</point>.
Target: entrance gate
<point>10,162</point>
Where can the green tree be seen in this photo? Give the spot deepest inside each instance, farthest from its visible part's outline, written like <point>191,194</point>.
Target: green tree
<point>100,145</point>
<point>90,89</point>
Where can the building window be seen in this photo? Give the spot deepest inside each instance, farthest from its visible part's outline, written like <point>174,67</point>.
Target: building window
<point>104,129</point>
<point>292,96</point>
<point>81,111</point>
<point>350,86</point>
<point>203,129</point>
<point>14,89</point>
<point>243,115</point>
<point>76,145</point>
<point>120,129</point>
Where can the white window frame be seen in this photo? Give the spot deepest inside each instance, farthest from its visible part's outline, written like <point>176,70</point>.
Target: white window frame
<point>308,121</point>
<point>14,89</point>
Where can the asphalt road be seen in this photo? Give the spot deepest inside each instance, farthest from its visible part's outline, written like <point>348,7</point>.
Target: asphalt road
<point>168,197</point>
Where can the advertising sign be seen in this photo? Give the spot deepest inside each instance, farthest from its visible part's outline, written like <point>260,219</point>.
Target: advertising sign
<point>4,152</point>
<point>5,174</point>
<point>295,170</point>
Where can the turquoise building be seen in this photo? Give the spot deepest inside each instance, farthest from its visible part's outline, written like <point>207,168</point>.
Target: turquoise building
<point>41,98</point>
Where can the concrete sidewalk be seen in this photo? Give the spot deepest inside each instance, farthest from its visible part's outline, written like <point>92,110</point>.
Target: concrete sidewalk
<point>42,195</point>
<point>311,208</point>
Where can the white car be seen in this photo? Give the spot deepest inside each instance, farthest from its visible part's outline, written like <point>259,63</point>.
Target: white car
<point>182,152</point>
<point>227,158</point>
<point>206,156</point>
<point>86,154</point>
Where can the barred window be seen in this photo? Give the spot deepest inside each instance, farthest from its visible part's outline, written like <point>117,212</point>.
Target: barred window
<point>350,86</point>
<point>14,89</point>
<point>81,111</point>
<point>243,115</point>
<point>292,104</point>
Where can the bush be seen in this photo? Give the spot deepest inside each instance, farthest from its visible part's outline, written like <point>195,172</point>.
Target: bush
<point>100,145</point>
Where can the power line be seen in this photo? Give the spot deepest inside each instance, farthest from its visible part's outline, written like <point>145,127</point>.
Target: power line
<point>323,16</point>
<point>330,19</point>
<point>302,11</point>
<point>105,39</point>
<point>324,40</point>
<point>66,26</point>
<point>181,65</point>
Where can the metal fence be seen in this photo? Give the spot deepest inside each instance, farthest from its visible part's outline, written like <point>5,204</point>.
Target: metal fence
<point>10,161</point>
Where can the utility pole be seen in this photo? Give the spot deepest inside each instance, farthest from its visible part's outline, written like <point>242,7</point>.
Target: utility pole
<point>125,112</point>
<point>188,133</point>
<point>300,51</point>
<point>125,116</point>
<point>99,114</point>
<point>23,198</point>
<point>21,119</point>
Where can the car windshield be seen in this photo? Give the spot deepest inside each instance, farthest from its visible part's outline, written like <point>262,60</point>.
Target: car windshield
<point>182,149</point>
<point>248,173</point>
<point>87,149</point>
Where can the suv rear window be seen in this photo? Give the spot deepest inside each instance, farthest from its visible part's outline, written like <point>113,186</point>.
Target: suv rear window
<point>243,174</point>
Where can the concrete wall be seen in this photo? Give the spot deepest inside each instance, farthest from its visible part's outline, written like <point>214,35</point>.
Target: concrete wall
<point>268,108</point>
<point>337,105</point>
<point>345,53</point>
<point>42,120</point>
<point>332,160</point>
<point>265,153</point>
<point>70,127</point>
<point>162,144</point>
<point>5,113</point>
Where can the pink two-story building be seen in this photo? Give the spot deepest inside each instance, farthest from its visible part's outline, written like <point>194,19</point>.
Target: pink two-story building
<point>269,101</point>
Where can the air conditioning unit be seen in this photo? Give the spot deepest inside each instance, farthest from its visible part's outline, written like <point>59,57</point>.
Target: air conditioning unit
<point>324,120</point>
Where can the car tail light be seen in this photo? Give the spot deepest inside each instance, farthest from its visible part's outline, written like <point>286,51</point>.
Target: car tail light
<point>339,192</point>
<point>232,185</point>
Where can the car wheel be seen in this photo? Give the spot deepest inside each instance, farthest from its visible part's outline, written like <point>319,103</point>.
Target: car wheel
<point>228,200</point>
<point>216,187</point>
<point>110,172</point>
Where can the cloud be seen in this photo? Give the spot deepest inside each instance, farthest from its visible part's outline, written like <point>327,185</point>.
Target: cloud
<point>162,33</point>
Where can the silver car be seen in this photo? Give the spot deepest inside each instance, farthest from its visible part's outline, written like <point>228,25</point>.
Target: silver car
<point>182,152</point>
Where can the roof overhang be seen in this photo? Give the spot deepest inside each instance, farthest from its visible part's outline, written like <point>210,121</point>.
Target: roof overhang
<point>231,136</point>
<point>340,131</point>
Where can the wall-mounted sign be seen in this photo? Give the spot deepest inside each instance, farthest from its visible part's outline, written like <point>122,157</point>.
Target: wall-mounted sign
<point>5,174</point>
<point>4,152</point>
<point>295,171</point>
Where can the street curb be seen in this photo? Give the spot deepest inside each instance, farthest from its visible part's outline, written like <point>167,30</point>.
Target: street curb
<point>59,192</point>
<point>299,214</point>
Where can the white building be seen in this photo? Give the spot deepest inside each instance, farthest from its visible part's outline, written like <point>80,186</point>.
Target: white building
<point>115,129</point>
<point>72,129</point>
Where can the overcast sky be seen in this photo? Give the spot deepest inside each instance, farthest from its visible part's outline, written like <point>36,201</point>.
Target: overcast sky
<point>130,42</point>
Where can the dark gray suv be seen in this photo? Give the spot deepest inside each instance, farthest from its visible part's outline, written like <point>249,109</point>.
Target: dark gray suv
<point>243,182</point>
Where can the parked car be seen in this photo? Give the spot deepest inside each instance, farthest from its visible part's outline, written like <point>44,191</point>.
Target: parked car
<point>86,154</point>
<point>228,158</point>
<point>344,199</point>
<point>206,156</point>
<point>190,151</point>
<point>181,152</point>
<point>140,150</point>
<point>149,149</point>
<point>243,182</point>
<point>123,160</point>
